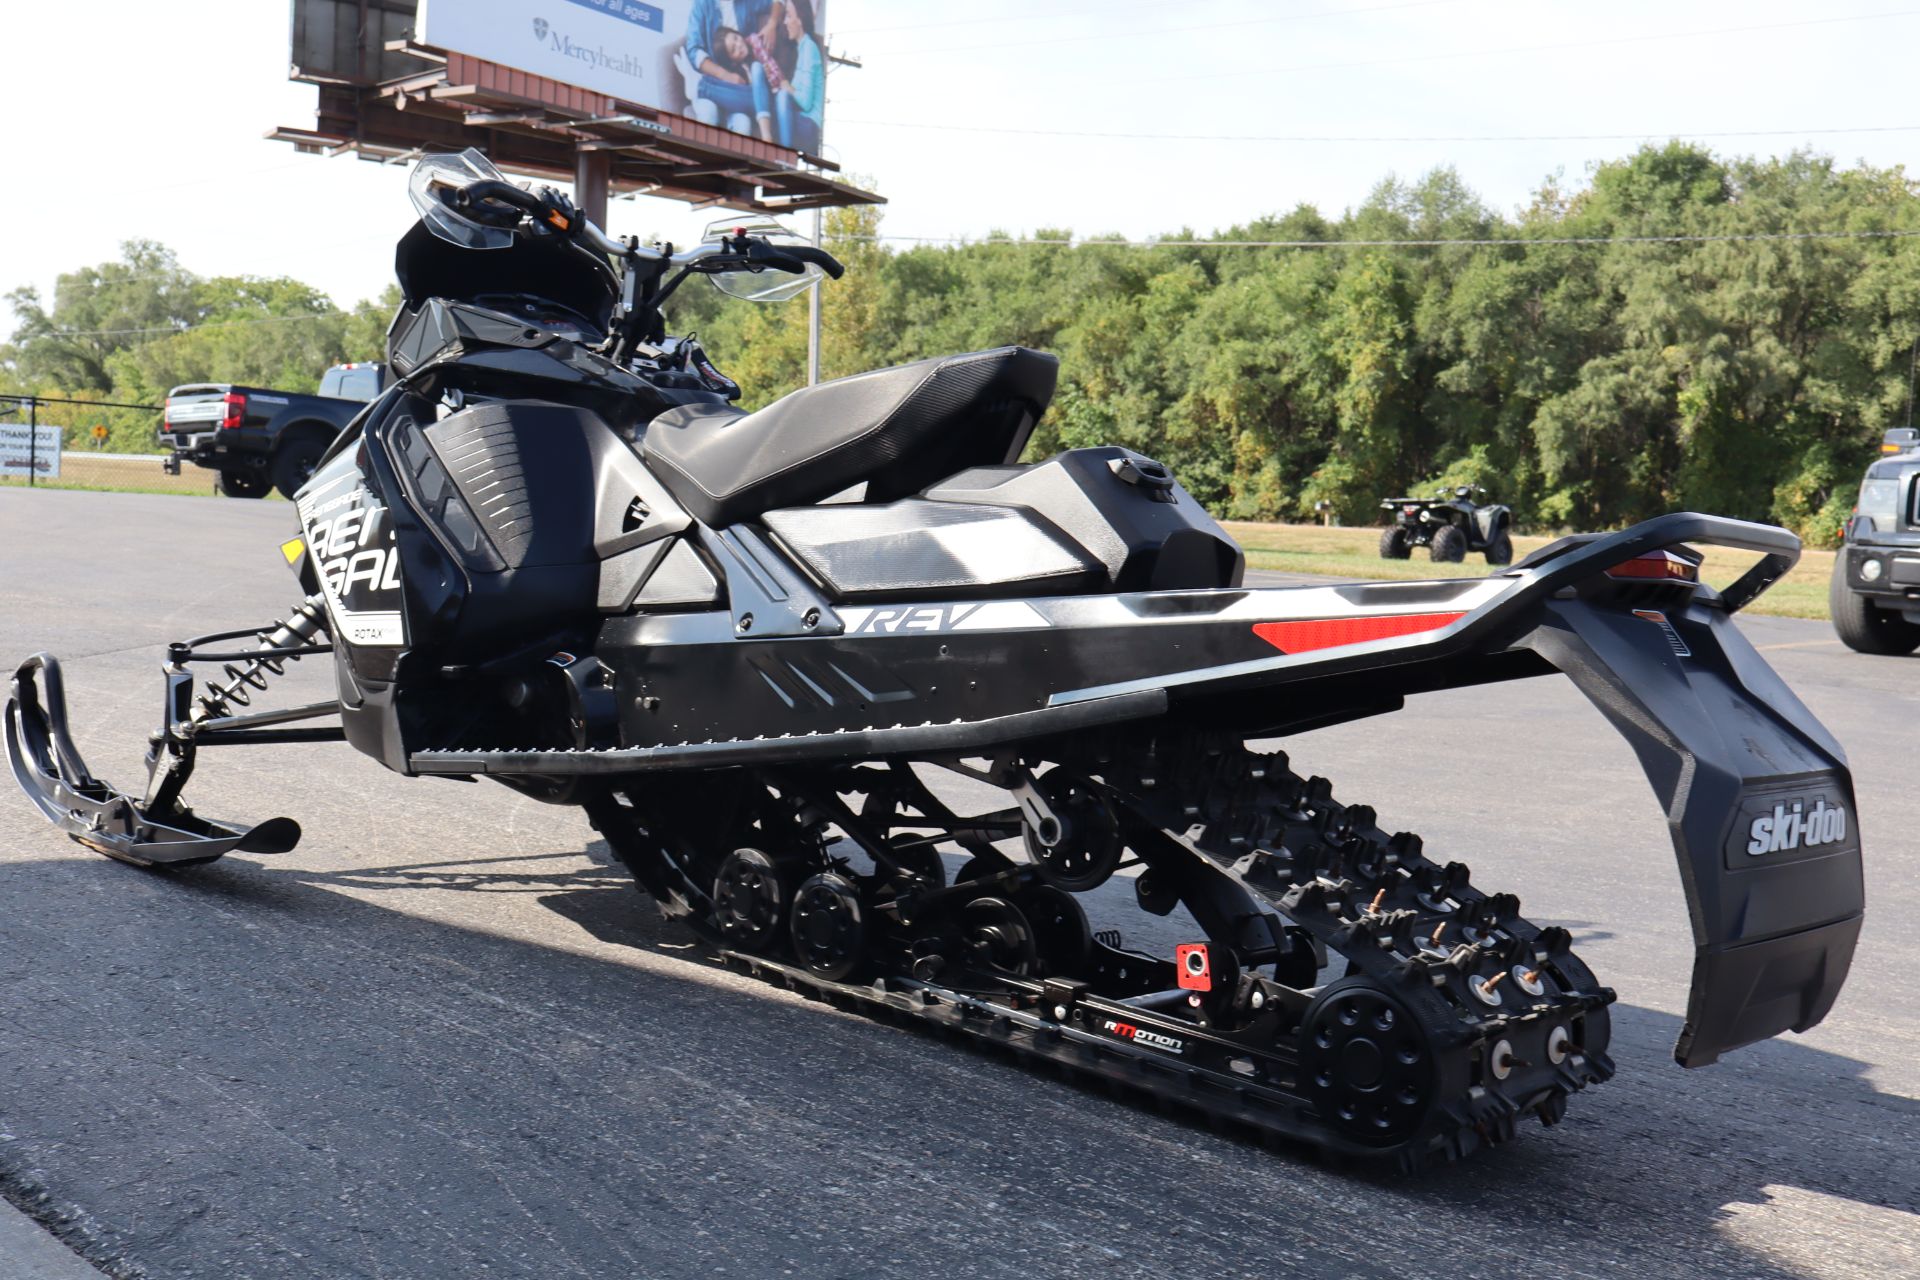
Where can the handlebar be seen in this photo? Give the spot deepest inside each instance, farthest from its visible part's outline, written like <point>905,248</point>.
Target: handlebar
<point>502,204</point>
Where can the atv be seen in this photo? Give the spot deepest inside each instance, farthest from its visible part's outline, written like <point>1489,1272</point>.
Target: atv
<point>554,555</point>
<point>1449,526</point>
<point>1874,594</point>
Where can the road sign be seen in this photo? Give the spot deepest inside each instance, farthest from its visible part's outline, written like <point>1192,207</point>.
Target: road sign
<point>100,431</point>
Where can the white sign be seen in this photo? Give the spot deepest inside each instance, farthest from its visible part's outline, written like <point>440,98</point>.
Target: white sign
<point>29,451</point>
<point>754,66</point>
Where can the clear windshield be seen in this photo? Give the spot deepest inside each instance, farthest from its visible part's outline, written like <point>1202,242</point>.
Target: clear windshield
<point>433,177</point>
<point>764,284</point>
<point>1880,500</point>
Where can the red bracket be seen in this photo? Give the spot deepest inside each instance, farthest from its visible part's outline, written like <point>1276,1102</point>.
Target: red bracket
<point>1195,968</point>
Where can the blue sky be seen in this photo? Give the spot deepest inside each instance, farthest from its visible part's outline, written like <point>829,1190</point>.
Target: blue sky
<point>951,114</point>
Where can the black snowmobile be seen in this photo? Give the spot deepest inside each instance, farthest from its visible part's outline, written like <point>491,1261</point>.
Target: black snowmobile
<point>554,555</point>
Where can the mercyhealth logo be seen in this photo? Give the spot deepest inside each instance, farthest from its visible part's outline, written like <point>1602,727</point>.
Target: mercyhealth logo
<point>597,55</point>
<point>1786,828</point>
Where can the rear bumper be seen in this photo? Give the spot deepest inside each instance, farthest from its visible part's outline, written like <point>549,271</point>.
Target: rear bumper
<point>217,448</point>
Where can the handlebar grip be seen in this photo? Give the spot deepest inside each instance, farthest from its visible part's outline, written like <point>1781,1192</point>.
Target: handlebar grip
<point>504,192</point>
<point>780,259</point>
<point>819,258</point>
<point>482,201</point>
<point>793,257</point>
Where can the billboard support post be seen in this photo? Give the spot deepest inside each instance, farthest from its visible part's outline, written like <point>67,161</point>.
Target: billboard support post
<point>33,440</point>
<point>592,172</point>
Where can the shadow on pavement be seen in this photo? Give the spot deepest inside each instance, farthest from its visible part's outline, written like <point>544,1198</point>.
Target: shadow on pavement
<point>286,1079</point>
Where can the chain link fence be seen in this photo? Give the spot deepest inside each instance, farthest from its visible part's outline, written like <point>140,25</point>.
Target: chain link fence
<point>91,438</point>
<point>130,472</point>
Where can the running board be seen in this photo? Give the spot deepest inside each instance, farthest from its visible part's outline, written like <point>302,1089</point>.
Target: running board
<point>901,740</point>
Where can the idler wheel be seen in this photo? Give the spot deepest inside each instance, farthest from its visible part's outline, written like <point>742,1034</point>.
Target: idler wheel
<point>994,935</point>
<point>749,900</point>
<point>829,926</point>
<point>1366,1063</point>
<point>922,859</point>
<point>1079,849</point>
<point>1061,933</point>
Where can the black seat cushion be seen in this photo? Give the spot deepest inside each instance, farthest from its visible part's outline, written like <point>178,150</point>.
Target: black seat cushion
<point>898,430</point>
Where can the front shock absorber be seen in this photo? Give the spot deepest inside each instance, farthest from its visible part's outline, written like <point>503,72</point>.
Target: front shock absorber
<point>286,641</point>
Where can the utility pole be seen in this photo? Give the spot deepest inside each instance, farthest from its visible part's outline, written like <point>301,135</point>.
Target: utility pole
<point>813,310</point>
<point>819,233</point>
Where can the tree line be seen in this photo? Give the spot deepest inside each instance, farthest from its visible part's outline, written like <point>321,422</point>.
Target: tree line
<point>131,330</point>
<point>1587,384</point>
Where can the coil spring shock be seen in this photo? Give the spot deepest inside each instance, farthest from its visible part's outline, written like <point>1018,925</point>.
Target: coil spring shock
<point>298,631</point>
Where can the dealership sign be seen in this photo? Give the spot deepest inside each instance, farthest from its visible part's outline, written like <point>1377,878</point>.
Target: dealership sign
<point>29,451</point>
<point>637,52</point>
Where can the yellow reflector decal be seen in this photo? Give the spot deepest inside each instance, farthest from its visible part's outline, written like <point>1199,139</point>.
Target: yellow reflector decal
<point>291,549</point>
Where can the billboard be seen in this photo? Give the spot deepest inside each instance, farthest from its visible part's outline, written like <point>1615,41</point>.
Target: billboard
<point>756,67</point>
<point>29,451</point>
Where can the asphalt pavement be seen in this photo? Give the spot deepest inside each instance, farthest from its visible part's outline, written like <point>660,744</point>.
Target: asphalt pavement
<point>443,1038</point>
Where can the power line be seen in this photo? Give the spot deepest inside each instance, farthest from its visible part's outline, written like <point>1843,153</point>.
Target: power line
<point>1534,48</point>
<point>1511,242</point>
<point>188,328</point>
<point>1352,138</point>
<point>1183,29</point>
<point>997,20</point>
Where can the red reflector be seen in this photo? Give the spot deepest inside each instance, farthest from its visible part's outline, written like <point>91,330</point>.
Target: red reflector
<point>1658,566</point>
<point>1190,961</point>
<point>1331,633</point>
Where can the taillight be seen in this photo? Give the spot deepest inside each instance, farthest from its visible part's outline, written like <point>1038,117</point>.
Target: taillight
<point>236,410</point>
<point>1657,566</point>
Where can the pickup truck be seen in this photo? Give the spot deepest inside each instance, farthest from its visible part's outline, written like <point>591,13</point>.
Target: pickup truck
<point>1874,595</point>
<point>259,439</point>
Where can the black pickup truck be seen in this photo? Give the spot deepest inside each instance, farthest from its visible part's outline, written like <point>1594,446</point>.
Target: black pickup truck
<point>259,439</point>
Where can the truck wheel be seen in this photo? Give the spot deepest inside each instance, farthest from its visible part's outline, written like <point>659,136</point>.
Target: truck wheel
<point>295,461</point>
<point>1500,550</point>
<point>1393,543</point>
<point>1449,545</point>
<point>243,484</point>
<point>1863,626</point>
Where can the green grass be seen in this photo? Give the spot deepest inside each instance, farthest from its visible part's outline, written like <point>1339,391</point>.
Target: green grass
<point>1355,553</point>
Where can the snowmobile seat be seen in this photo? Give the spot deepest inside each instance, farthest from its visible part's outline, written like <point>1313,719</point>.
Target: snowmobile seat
<point>898,430</point>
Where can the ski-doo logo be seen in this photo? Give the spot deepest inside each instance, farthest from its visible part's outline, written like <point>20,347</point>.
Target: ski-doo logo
<point>1790,820</point>
<point>1796,827</point>
<point>1142,1036</point>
